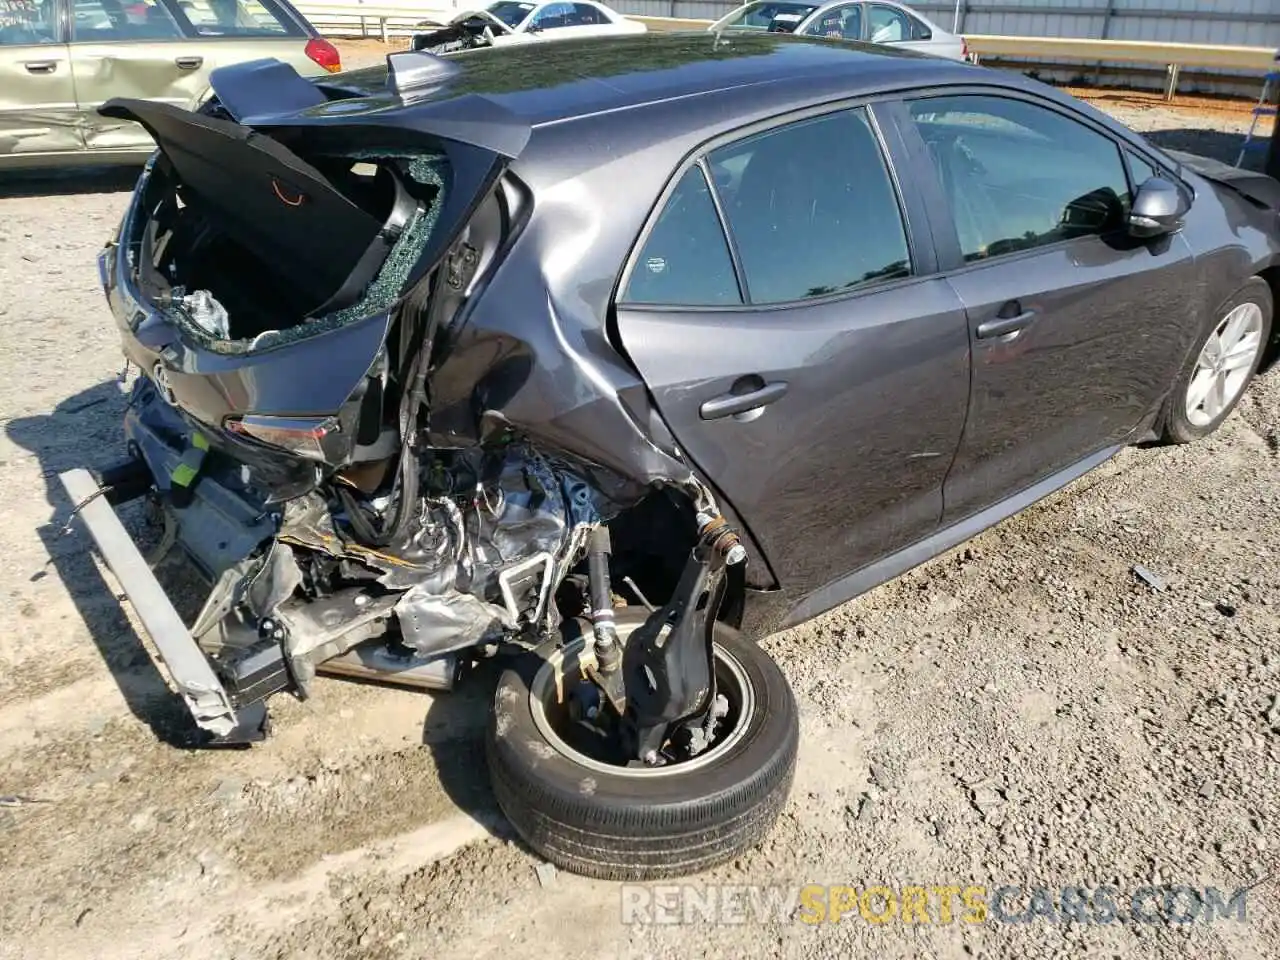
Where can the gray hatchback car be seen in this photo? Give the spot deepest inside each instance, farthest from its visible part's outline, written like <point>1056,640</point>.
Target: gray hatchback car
<point>609,361</point>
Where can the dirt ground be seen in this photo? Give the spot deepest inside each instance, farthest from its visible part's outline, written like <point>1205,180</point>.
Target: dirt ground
<point>1021,711</point>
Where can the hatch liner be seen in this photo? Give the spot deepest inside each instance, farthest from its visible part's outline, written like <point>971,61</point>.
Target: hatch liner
<point>279,207</point>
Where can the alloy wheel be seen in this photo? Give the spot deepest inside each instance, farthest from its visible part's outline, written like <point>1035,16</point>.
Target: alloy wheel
<point>1224,365</point>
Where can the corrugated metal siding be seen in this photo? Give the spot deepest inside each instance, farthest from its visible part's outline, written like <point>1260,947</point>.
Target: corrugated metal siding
<point>689,9</point>
<point>1254,23</point>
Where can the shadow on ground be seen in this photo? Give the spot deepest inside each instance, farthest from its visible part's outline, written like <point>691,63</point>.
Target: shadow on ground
<point>454,731</point>
<point>62,183</point>
<point>84,431</point>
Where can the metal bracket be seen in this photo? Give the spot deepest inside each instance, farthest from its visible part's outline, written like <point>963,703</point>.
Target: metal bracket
<point>507,578</point>
<point>668,662</point>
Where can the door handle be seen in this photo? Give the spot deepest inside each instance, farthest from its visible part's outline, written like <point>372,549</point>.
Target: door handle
<point>1003,326</point>
<point>41,66</point>
<point>729,404</point>
<point>188,63</point>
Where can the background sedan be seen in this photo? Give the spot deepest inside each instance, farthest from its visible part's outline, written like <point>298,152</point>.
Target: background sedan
<point>516,21</point>
<point>878,22</point>
<point>62,59</point>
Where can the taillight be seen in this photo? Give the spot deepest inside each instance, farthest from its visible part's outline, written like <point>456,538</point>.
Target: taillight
<point>324,53</point>
<point>301,436</point>
<point>964,49</point>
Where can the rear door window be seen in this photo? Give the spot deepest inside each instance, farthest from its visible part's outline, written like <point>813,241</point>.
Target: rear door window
<point>100,21</point>
<point>553,16</point>
<point>812,209</point>
<point>585,15</point>
<point>890,25</point>
<point>236,18</point>
<point>25,22</point>
<point>685,260</point>
<point>838,23</point>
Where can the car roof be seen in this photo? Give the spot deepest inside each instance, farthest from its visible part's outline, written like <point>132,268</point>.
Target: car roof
<point>598,75</point>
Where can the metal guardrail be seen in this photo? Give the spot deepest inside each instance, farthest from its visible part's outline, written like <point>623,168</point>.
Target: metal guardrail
<point>352,19</point>
<point>1172,56</point>
<point>378,20</point>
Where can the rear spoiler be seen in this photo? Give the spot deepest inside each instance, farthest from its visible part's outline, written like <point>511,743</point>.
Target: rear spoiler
<point>1258,188</point>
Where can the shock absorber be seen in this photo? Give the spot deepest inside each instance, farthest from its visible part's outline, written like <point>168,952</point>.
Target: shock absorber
<point>608,651</point>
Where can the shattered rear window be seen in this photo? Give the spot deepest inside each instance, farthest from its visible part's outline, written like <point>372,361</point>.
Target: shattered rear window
<point>425,175</point>
<point>388,285</point>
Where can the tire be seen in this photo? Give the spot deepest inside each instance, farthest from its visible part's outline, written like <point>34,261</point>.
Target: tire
<point>615,826</point>
<point>1179,424</point>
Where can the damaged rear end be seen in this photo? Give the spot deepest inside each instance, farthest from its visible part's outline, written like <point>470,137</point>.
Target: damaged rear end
<point>286,279</point>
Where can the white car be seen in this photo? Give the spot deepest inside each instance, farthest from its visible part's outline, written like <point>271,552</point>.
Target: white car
<point>872,21</point>
<point>515,21</point>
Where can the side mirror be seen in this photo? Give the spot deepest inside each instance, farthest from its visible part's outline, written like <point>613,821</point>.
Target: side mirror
<point>1158,209</point>
<point>533,28</point>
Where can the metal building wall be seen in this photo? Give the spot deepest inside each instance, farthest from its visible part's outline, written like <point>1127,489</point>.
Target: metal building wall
<point>1254,23</point>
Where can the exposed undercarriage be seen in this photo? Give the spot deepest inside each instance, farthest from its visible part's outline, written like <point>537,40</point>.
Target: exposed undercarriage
<point>501,546</point>
<point>378,480</point>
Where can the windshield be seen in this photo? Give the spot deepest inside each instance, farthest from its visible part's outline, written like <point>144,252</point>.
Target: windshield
<point>511,12</point>
<point>781,17</point>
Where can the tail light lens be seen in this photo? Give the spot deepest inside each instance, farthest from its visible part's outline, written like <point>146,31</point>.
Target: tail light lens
<point>964,49</point>
<point>324,53</point>
<point>301,436</point>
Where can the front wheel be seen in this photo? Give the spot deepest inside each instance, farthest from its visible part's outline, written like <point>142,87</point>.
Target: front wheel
<point>587,813</point>
<point>1221,365</point>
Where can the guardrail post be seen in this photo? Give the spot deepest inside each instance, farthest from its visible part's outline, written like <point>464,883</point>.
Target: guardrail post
<point>1105,35</point>
<point>1173,69</point>
<point>382,22</point>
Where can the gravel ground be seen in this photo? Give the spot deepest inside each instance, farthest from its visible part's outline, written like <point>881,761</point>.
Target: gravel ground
<point>1021,711</point>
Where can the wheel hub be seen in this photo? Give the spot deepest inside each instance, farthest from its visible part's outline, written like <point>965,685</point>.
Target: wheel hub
<point>558,715</point>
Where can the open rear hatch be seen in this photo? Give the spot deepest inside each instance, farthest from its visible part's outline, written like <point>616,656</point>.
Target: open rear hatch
<point>279,227</point>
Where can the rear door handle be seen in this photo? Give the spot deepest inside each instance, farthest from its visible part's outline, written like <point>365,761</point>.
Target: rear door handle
<point>1003,326</point>
<point>41,66</point>
<point>728,404</point>
<point>189,63</point>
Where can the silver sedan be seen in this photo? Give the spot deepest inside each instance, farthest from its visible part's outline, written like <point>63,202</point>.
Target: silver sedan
<point>873,22</point>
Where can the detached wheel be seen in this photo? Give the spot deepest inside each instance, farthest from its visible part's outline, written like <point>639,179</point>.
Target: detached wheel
<point>592,816</point>
<point>1221,366</point>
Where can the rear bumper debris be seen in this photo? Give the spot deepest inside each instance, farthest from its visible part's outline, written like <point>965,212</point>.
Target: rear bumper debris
<point>188,668</point>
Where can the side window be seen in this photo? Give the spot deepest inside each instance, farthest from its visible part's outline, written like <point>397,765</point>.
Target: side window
<point>234,18</point>
<point>585,15</point>
<point>27,21</point>
<point>1018,175</point>
<point>811,208</point>
<point>1139,173</point>
<point>685,260</point>
<point>888,24</point>
<point>838,23</point>
<point>919,31</point>
<point>551,16</point>
<point>1139,170</point>
<point>95,21</point>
